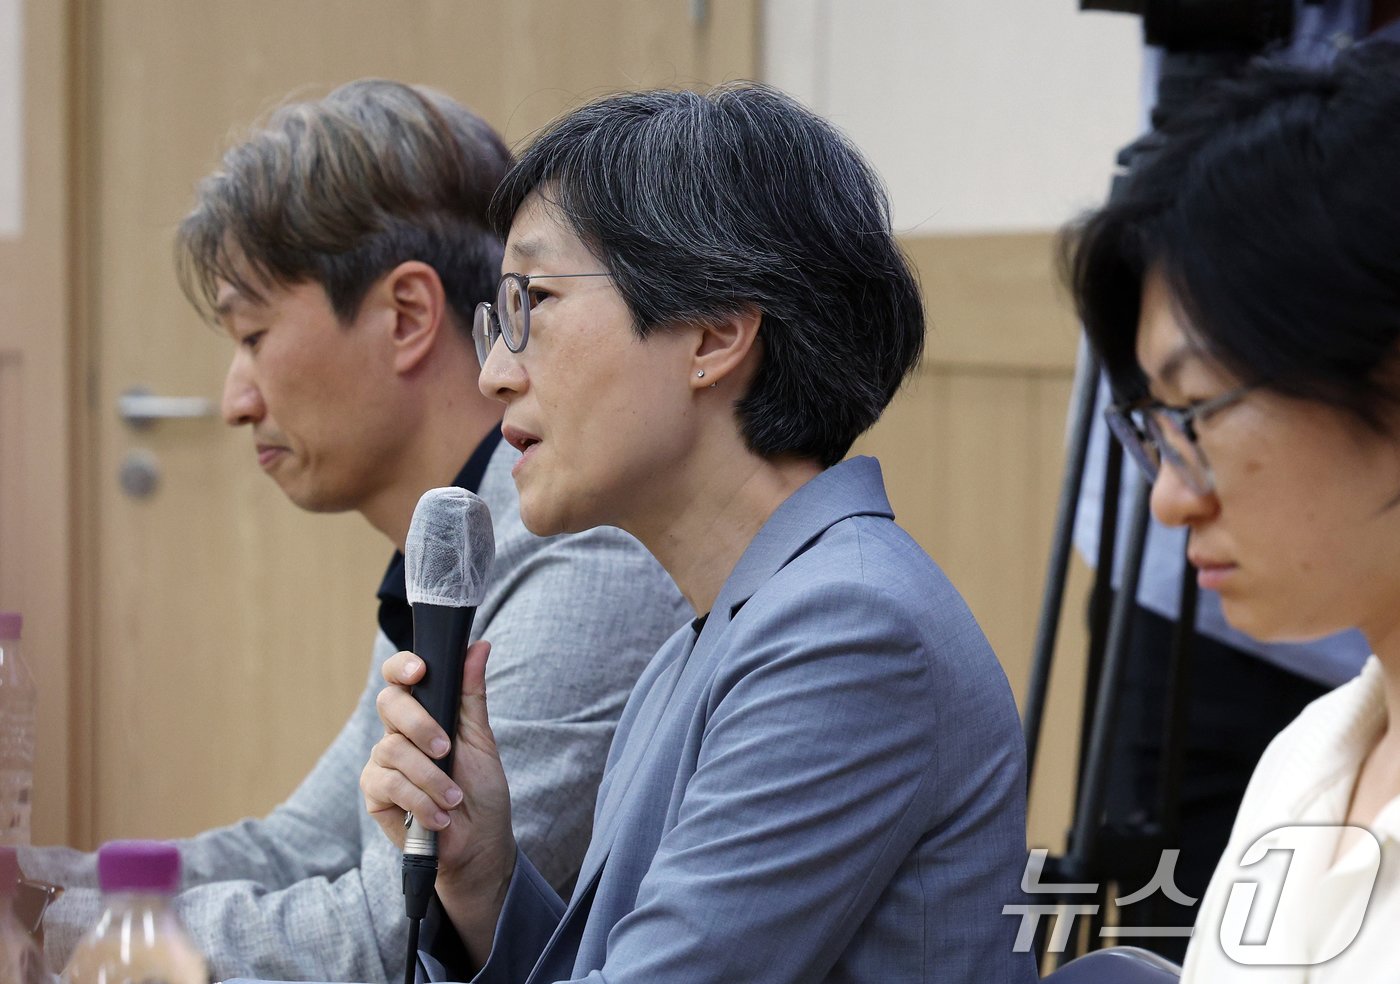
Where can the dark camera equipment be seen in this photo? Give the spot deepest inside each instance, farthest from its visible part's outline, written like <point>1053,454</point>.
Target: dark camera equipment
<point>1203,40</point>
<point>1206,25</point>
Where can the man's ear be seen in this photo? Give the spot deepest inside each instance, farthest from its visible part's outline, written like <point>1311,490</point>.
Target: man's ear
<point>418,304</point>
<point>727,350</point>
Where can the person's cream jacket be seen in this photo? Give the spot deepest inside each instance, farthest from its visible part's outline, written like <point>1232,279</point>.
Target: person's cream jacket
<point>1282,907</point>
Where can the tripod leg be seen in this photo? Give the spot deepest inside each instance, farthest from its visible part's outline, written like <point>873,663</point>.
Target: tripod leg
<point>1088,814</point>
<point>1086,375</point>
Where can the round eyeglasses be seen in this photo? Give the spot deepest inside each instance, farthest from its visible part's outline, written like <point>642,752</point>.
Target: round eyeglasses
<point>1152,432</point>
<point>509,317</point>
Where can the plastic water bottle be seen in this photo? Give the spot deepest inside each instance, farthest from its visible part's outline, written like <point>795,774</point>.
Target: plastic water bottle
<point>138,937</point>
<point>20,959</point>
<point>17,705</point>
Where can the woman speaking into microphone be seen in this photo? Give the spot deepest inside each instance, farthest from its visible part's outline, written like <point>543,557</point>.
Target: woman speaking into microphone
<point>821,777</point>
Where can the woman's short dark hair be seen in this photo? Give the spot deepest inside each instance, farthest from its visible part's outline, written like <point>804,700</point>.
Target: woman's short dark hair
<point>706,205</point>
<point>1271,209</point>
<point>341,190</point>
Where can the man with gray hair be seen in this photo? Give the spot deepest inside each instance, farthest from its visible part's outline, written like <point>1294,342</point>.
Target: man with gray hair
<point>343,247</point>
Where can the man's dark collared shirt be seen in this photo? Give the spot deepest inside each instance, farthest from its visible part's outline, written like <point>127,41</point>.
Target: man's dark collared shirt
<point>395,614</point>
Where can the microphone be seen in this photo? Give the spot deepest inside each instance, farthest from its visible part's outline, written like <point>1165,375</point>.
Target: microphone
<point>449,549</point>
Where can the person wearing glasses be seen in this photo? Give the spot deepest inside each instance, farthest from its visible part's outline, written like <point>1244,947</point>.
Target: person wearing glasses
<point>1224,732</point>
<point>343,246</point>
<point>821,778</point>
<point>1244,295</point>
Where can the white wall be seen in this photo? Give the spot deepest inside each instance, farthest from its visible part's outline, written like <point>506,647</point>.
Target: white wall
<point>981,115</point>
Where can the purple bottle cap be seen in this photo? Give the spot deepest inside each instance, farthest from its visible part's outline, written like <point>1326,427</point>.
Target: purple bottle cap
<point>10,624</point>
<point>139,866</point>
<point>9,872</point>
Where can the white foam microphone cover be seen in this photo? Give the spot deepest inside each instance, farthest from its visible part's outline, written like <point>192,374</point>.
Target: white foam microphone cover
<point>449,550</point>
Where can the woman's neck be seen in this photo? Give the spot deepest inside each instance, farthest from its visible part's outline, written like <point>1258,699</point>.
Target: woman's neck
<point>1378,781</point>
<point>1386,646</point>
<point>711,519</point>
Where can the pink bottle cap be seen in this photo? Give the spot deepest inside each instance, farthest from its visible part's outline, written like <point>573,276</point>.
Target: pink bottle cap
<point>139,866</point>
<point>9,872</point>
<point>10,624</point>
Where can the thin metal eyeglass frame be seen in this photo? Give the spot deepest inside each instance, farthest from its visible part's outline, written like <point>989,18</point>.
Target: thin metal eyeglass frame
<point>486,323</point>
<point>1141,441</point>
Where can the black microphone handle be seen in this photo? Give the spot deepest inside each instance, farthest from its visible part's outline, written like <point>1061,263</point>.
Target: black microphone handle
<point>440,640</point>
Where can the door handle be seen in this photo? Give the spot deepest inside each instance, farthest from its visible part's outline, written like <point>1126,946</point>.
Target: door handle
<point>139,408</point>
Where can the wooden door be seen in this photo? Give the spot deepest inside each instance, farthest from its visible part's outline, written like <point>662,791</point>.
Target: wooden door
<point>230,632</point>
<point>37,413</point>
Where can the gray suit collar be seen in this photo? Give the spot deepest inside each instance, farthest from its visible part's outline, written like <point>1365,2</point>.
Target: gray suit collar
<point>854,487</point>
